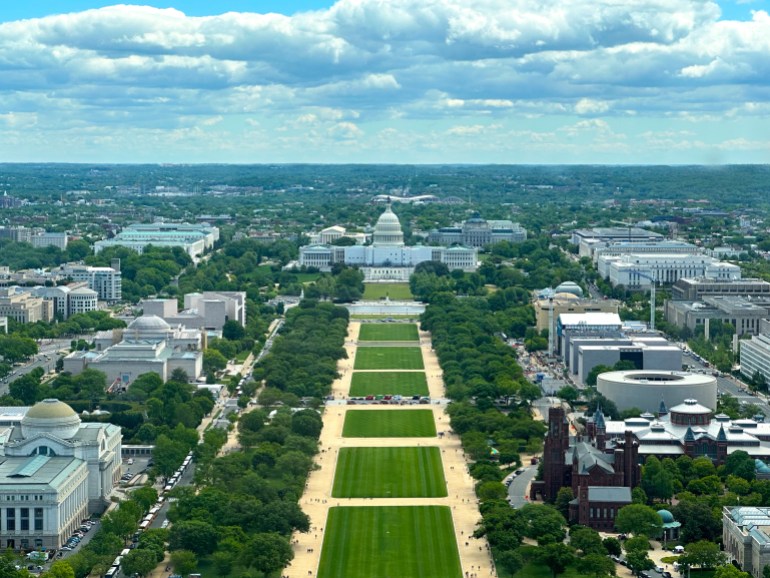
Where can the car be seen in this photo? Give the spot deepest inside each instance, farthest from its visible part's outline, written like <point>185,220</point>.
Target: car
<point>164,524</point>
<point>667,574</point>
<point>660,569</point>
<point>66,548</point>
<point>519,472</point>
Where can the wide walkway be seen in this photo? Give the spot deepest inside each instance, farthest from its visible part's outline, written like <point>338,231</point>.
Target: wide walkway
<point>316,501</point>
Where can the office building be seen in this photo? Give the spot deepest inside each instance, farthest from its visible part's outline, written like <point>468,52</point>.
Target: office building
<point>695,288</point>
<point>744,315</point>
<point>68,300</point>
<point>478,232</point>
<point>194,239</point>
<point>106,281</point>
<point>21,305</point>
<point>640,270</point>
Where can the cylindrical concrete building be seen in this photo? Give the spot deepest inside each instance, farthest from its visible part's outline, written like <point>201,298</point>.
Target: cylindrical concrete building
<point>645,389</point>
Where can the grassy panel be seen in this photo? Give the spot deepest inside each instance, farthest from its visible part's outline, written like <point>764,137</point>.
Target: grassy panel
<point>394,291</point>
<point>388,332</point>
<point>414,472</point>
<point>389,423</point>
<point>390,542</point>
<point>388,358</point>
<point>390,383</point>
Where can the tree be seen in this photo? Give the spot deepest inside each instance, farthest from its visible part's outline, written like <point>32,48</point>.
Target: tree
<point>26,387</point>
<point>639,519</point>
<point>568,393</point>
<point>730,571</point>
<point>704,554</point>
<point>587,541</point>
<point>194,535</point>
<point>168,455</point>
<point>597,565</point>
<point>307,423</point>
<point>267,552</point>
<point>698,520</point>
<point>138,561</point>
<point>511,561</point>
<point>639,561</point>
<point>179,375</point>
<point>213,361</point>
<point>542,523</point>
<point>657,482</point>
<point>612,545</point>
<point>121,522</point>
<point>487,491</point>
<point>146,497</point>
<point>59,569</point>
<point>556,556</point>
<point>594,373</point>
<point>563,498</point>
<point>740,464</point>
<point>184,562</point>
<point>233,330</point>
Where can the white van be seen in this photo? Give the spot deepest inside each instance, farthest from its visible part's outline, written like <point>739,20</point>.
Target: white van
<point>678,550</point>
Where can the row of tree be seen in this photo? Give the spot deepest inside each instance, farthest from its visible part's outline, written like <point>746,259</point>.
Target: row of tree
<point>238,519</point>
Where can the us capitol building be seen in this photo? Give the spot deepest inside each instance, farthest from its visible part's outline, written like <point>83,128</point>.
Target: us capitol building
<point>54,472</point>
<point>387,258</point>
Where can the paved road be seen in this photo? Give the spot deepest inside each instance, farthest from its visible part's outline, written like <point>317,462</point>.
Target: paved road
<point>46,358</point>
<point>517,491</point>
<point>731,385</point>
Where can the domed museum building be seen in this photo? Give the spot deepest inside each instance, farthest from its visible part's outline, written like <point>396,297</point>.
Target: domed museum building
<point>54,472</point>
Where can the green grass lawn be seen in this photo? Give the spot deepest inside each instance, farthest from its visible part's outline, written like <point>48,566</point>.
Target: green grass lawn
<point>390,542</point>
<point>414,472</point>
<point>389,423</point>
<point>395,291</point>
<point>389,358</point>
<point>388,332</point>
<point>391,383</point>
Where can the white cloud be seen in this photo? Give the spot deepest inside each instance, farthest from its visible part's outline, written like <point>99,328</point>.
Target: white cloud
<point>588,106</point>
<point>362,63</point>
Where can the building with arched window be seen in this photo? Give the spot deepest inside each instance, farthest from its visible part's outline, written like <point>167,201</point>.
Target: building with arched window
<point>54,472</point>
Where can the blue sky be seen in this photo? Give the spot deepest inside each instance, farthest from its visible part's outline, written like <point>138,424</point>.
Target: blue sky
<point>426,81</point>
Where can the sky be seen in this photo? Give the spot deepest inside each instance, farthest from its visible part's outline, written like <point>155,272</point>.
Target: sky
<point>386,81</point>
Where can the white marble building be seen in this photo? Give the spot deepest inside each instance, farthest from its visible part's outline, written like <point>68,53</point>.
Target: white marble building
<point>387,258</point>
<point>148,344</point>
<point>54,472</point>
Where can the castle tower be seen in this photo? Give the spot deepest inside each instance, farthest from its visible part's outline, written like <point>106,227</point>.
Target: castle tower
<point>555,447</point>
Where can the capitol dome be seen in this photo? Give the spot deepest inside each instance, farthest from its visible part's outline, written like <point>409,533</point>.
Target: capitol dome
<point>148,324</point>
<point>388,231</point>
<point>666,516</point>
<point>50,416</point>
